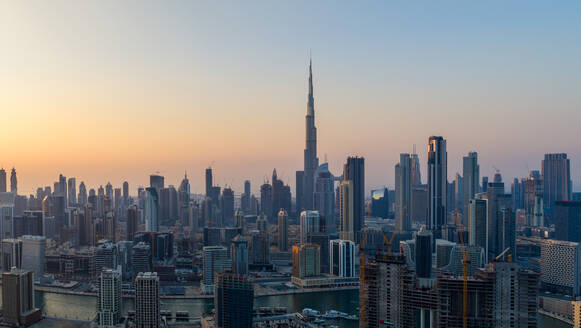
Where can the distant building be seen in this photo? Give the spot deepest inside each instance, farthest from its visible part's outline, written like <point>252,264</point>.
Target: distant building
<point>354,172</point>
<point>147,307</point>
<point>11,254</point>
<point>567,218</point>
<point>239,255</point>
<point>283,231</point>
<point>151,210</point>
<point>233,301</point>
<point>380,203</point>
<point>557,179</point>
<point>324,196</point>
<point>403,192</point>
<point>346,211</point>
<point>437,183</point>
<point>471,180</point>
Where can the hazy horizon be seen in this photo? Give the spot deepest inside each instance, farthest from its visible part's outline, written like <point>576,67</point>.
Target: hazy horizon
<point>108,91</point>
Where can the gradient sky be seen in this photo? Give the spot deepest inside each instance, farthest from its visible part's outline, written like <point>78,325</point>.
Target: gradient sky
<point>113,91</point>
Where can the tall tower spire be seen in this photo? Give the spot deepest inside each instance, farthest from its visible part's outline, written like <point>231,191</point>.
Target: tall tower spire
<point>311,161</point>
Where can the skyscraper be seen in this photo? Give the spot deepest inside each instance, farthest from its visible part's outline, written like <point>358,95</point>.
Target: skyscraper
<point>310,223</point>
<point>557,179</point>
<point>13,182</point>
<point>18,298</point>
<point>568,220</point>
<point>126,191</point>
<point>209,182</point>
<point>311,162</point>
<point>245,198</point>
<point>533,199</point>
<point>346,211</point>
<point>324,196</point>
<point>147,308</point>
<point>227,206</point>
<point>82,199</point>
<point>437,183</point>
<point>266,200</point>
<point>33,249</point>
<point>281,196</point>
<point>156,181</point>
<point>151,210</point>
<point>72,191</point>
<point>478,222</point>
<point>2,180</point>
<point>283,231</point>
<point>403,192</point>
<point>239,255</point>
<point>215,260</point>
<point>132,221</point>
<point>342,258</point>
<point>109,299</point>
<point>354,171</point>
<point>306,260</point>
<point>233,301</point>
<point>471,180</point>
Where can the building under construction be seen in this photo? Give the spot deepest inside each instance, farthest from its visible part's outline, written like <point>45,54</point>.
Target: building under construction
<point>393,296</point>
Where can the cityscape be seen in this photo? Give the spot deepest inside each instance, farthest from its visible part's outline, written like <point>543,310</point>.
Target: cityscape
<point>438,237</point>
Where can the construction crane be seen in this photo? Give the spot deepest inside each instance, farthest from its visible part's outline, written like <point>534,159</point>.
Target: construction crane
<point>465,264</point>
<point>389,242</point>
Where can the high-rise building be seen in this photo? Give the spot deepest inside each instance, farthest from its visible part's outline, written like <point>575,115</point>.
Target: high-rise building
<point>310,222</point>
<point>215,260</point>
<point>132,222</point>
<point>141,258</point>
<point>11,254</point>
<point>233,301</point>
<point>13,182</point>
<point>342,258</point>
<point>82,199</point>
<point>266,200</point>
<point>151,210</point>
<point>403,192</point>
<point>126,191</point>
<point>227,206</point>
<point>6,221</point>
<point>245,198</point>
<point>239,255</point>
<point>498,213</point>
<point>311,161</point>
<point>33,249</point>
<point>18,307</point>
<point>560,265</point>
<point>346,211</point>
<point>517,190</point>
<point>533,199</point>
<point>106,256</point>
<point>109,300</point>
<point>416,173</point>
<point>437,183</point>
<point>380,203</point>
<point>299,179</point>
<point>2,180</point>
<point>471,180</point>
<point>423,254</point>
<point>567,218</point>
<point>556,178</point>
<point>283,231</point>
<point>260,248</point>
<point>354,171</point>
<point>209,182</point>
<point>478,223</point>
<point>156,181</point>
<point>306,260</point>
<point>147,308</point>
<point>281,196</point>
<point>324,196</point>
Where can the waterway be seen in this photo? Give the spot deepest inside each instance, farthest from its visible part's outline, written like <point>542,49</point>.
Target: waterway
<point>84,307</point>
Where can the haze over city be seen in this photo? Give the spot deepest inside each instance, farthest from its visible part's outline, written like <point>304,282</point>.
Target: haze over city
<point>109,91</point>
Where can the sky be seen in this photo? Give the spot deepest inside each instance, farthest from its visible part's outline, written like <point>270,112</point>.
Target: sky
<point>113,91</point>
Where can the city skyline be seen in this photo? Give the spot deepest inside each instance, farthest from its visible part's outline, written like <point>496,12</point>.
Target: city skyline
<point>118,108</point>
